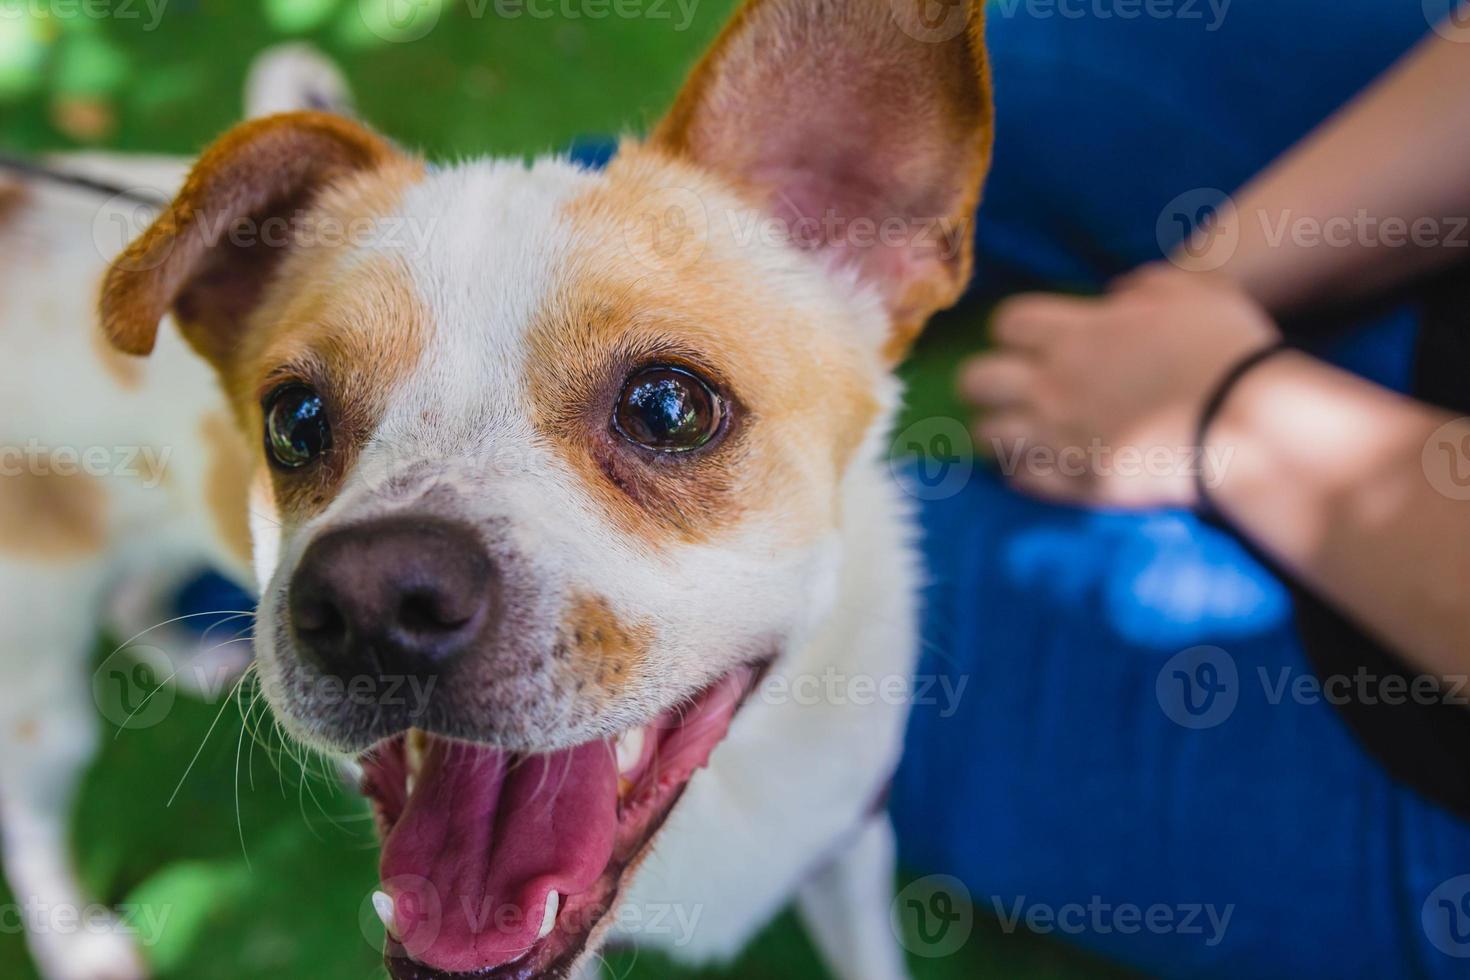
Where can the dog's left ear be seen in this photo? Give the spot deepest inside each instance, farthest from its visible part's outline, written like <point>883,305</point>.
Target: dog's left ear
<point>208,257</point>
<point>864,124</point>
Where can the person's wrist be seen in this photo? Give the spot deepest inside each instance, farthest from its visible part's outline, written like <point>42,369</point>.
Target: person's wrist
<point>1238,455</point>
<point>1169,270</point>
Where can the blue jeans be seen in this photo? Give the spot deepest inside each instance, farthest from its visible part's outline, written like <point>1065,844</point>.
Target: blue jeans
<point>1125,716</point>
<point>1138,727</point>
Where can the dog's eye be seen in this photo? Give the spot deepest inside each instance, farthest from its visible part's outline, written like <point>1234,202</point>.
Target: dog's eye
<point>668,409</point>
<point>296,429</point>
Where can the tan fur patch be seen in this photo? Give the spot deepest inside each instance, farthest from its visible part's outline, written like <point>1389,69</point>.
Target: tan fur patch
<point>153,468</point>
<point>349,324</point>
<point>125,370</point>
<point>609,650</point>
<point>343,320</point>
<point>247,175</point>
<point>48,516</point>
<point>880,97</point>
<point>800,389</point>
<point>227,483</point>
<point>272,264</point>
<point>12,197</point>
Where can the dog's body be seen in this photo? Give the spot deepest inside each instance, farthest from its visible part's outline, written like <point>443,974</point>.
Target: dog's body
<point>426,412</point>
<point>103,503</point>
<point>781,758</point>
<point>120,479</point>
<point>167,509</point>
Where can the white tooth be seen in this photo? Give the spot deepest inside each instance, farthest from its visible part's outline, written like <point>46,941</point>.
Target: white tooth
<point>630,750</point>
<point>548,918</point>
<point>383,905</point>
<point>413,749</point>
<point>413,756</point>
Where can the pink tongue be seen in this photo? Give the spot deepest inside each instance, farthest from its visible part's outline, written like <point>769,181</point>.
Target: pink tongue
<point>472,859</point>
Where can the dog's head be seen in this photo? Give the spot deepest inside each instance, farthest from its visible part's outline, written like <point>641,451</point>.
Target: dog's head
<point>552,460</point>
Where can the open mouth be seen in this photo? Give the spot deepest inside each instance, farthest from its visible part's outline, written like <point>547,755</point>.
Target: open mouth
<point>497,864</point>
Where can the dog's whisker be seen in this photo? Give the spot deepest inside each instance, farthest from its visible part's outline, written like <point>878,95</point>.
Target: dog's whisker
<point>170,678</point>
<point>284,748</point>
<point>167,622</point>
<point>199,751</point>
<point>142,704</point>
<point>602,961</point>
<point>230,619</point>
<point>239,745</point>
<point>262,735</point>
<point>265,517</point>
<point>252,725</point>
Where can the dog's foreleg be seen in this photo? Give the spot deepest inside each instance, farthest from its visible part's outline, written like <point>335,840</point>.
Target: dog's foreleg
<point>845,906</point>
<point>48,735</point>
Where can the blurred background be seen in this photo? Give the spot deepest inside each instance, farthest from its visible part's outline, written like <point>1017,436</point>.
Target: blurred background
<point>257,862</point>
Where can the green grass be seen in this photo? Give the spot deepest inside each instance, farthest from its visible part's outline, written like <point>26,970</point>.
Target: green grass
<point>473,84</point>
<point>260,869</point>
<point>253,866</point>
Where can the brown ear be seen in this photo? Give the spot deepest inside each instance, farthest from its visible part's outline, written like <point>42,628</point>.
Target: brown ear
<point>864,124</point>
<point>197,258</point>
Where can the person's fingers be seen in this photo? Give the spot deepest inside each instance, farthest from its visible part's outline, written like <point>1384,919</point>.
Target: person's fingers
<point>1164,278</point>
<point>1049,484</point>
<point>1032,321</point>
<point>1009,439</point>
<point>1143,277</point>
<point>1005,435</point>
<point>997,380</point>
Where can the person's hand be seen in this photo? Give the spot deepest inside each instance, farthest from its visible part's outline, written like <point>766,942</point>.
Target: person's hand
<point>1096,400</point>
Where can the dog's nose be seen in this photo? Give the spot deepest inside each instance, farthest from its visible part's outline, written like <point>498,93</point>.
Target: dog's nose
<point>393,597</point>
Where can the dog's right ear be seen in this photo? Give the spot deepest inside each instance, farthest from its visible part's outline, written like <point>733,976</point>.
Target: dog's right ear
<point>868,122</point>
<point>191,260</point>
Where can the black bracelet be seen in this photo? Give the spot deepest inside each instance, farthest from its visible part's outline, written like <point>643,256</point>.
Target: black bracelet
<point>1213,404</point>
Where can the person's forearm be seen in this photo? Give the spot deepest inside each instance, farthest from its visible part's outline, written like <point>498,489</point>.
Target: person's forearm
<point>1377,195</point>
<point>1329,474</point>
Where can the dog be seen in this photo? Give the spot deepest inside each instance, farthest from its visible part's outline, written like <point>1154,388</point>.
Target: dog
<point>564,484</point>
<point>118,481</point>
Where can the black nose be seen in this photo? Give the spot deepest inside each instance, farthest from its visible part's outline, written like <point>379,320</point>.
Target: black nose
<point>395,597</point>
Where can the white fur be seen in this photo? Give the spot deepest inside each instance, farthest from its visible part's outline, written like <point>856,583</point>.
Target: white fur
<point>787,805</point>
<point>65,400</point>
<point>797,780</point>
<point>59,396</point>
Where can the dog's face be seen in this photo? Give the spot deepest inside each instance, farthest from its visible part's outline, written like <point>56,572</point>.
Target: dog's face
<point>552,460</point>
<point>577,451</point>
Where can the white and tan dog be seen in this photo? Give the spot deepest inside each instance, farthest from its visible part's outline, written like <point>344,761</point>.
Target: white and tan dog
<point>119,479</point>
<point>563,481</point>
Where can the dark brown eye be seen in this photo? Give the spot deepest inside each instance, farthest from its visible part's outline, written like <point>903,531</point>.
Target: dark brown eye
<point>668,409</point>
<point>296,428</point>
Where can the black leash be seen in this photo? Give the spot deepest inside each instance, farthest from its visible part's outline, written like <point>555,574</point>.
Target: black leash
<point>30,168</point>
